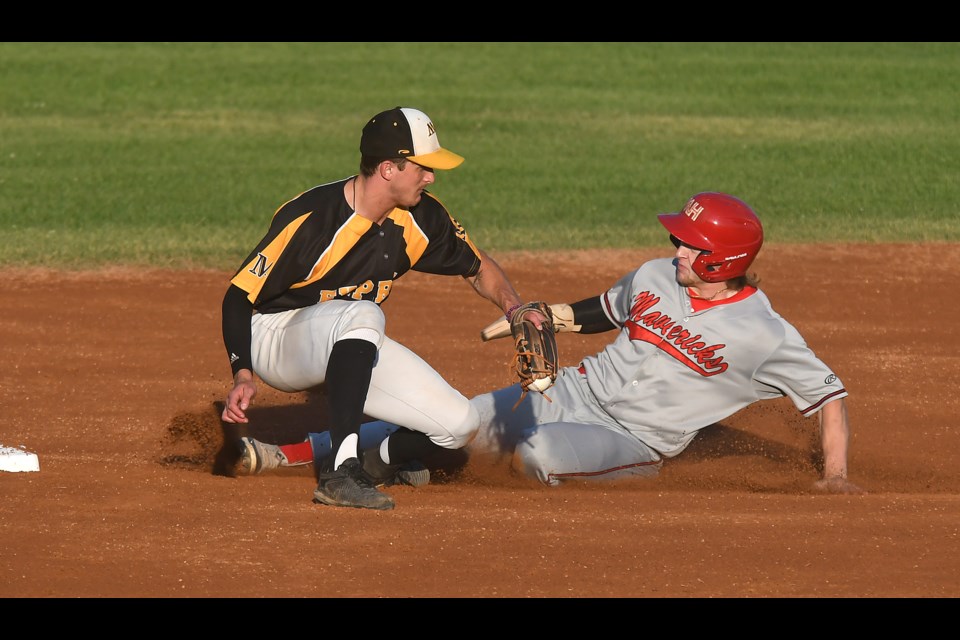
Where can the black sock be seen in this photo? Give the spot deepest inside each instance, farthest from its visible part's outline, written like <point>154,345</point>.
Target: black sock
<point>348,379</point>
<point>406,445</point>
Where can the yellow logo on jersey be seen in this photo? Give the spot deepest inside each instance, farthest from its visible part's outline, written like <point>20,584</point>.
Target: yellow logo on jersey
<point>460,231</point>
<point>359,292</point>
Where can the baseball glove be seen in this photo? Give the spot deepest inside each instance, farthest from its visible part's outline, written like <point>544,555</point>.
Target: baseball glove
<point>537,361</point>
<point>561,315</point>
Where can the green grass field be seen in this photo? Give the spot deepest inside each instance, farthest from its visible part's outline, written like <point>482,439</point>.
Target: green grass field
<point>177,154</point>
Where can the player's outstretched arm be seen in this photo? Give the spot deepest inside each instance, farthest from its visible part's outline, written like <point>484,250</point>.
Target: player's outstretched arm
<point>586,316</point>
<point>235,322</point>
<point>835,439</point>
<point>492,283</point>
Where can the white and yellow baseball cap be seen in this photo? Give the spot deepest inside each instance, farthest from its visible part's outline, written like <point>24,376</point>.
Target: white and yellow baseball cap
<point>408,133</point>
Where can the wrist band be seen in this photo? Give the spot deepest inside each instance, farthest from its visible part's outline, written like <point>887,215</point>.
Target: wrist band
<point>511,310</point>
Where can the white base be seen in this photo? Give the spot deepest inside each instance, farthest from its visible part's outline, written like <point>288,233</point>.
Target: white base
<point>18,460</point>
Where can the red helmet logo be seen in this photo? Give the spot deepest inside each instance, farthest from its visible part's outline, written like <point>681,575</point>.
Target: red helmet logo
<point>724,228</point>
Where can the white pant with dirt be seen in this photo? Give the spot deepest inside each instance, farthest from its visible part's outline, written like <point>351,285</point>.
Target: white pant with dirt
<point>291,349</point>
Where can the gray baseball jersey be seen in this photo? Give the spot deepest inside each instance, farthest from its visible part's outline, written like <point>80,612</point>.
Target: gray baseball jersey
<point>676,366</point>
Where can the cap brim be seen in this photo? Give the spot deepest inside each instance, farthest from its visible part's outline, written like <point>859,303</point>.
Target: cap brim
<point>439,159</point>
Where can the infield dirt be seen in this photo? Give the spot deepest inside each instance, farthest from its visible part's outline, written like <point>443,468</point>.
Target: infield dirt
<point>114,379</point>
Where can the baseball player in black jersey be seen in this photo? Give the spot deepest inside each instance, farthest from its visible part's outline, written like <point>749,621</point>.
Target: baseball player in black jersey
<point>304,309</point>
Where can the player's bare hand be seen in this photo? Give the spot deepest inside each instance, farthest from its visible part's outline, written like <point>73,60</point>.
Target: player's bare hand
<point>239,398</point>
<point>837,485</point>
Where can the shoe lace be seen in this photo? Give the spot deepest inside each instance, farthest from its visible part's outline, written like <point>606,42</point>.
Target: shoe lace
<point>359,476</point>
<point>362,480</point>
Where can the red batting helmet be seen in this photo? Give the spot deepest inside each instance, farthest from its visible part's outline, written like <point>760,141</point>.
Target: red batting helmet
<point>725,229</point>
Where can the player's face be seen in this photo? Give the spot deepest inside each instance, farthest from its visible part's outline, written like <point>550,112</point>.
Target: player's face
<point>410,183</point>
<point>685,255</point>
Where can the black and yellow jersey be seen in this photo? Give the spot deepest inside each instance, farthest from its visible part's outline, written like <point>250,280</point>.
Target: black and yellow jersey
<point>317,248</point>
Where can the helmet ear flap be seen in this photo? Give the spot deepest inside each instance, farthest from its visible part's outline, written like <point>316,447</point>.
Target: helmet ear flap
<point>710,270</point>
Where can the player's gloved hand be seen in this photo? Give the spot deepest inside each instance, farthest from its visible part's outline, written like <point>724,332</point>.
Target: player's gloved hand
<point>561,317</point>
<point>536,359</point>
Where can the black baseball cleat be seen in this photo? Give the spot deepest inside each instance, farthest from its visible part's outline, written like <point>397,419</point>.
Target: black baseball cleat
<point>349,486</point>
<point>380,473</point>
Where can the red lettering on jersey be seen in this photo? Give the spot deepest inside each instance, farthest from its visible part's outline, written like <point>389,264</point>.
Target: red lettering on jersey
<point>642,302</point>
<point>662,331</point>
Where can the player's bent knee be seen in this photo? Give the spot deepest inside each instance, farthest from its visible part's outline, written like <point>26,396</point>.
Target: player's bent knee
<point>527,463</point>
<point>364,321</point>
<point>535,458</point>
<point>459,435</point>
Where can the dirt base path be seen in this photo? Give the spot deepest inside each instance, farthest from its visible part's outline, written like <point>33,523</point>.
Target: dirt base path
<point>113,378</point>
